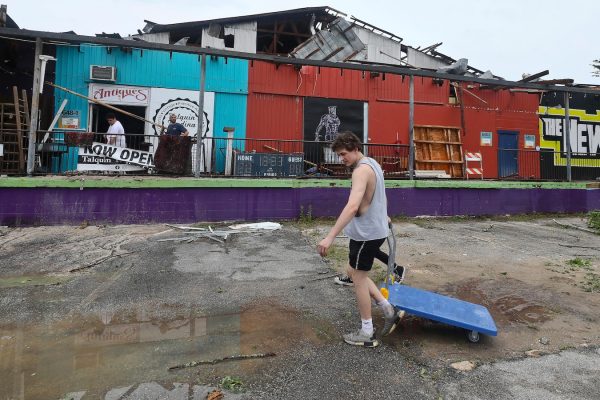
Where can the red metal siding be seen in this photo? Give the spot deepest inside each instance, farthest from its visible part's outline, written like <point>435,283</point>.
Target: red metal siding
<point>274,117</point>
<point>307,81</point>
<point>275,107</point>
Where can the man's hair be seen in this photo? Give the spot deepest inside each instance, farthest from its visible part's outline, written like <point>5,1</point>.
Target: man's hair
<point>110,116</point>
<point>347,141</point>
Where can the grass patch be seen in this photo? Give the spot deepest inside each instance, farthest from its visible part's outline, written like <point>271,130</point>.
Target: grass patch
<point>306,217</point>
<point>579,263</point>
<point>232,384</point>
<point>594,220</point>
<point>337,256</point>
<point>591,283</point>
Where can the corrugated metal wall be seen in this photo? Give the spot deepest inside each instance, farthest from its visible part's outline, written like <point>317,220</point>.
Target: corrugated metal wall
<point>227,77</point>
<point>276,97</point>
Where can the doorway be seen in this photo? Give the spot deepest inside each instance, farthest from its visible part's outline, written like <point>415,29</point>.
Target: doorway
<point>134,128</point>
<point>508,154</point>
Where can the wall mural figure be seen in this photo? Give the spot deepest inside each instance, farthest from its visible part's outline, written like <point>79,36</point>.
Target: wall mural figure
<point>331,122</point>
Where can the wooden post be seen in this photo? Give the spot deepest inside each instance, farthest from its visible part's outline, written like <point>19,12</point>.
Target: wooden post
<point>18,129</point>
<point>200,156</point>
<point>35,106</point>
<point>568,135</point>
<point>411,128</point>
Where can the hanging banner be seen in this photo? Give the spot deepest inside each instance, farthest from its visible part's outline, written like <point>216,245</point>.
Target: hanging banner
<point>106,157</point>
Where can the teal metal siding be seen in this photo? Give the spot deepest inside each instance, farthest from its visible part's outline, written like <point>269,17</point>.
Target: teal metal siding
<point>227,77</point>
<point>230,111</point>
<point>153,69</point>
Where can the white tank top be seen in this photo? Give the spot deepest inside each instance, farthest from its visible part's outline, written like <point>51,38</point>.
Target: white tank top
<point>373,224</point>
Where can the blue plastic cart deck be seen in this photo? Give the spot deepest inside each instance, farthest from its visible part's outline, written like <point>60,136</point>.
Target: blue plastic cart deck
<point>448,310</point>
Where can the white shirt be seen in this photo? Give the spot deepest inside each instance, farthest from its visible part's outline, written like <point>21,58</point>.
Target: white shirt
<point>116,131</point>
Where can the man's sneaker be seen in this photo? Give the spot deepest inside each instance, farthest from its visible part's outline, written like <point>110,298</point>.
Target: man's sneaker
<point>344,280</point>
<point>392,322</point>
<point>359,338</point>
<point>399,273</point>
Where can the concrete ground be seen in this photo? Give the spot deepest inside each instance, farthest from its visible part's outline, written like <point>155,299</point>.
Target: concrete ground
<point>104,312</point>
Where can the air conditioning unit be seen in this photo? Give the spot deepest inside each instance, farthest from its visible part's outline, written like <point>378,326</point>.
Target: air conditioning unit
<point>103,73</point>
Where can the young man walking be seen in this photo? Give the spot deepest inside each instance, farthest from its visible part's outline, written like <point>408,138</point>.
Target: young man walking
<point>364,220</point>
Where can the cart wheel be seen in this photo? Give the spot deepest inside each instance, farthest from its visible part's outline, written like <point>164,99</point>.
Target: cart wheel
<point>473,336</point>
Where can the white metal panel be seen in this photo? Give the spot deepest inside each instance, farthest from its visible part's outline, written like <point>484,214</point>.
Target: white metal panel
<point>377,45</point>
<point>244,37</point>
<point>419,59</point>
<point>162,37</point>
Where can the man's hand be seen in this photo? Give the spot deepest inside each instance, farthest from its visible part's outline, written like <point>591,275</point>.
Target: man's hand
<point>324,246</point>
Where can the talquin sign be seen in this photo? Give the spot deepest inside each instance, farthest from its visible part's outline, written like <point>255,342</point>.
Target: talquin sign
<point>186,111</point>
<point>182,103</point>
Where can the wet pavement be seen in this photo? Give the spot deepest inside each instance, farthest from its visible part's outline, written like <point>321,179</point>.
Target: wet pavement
<point>105,312</point>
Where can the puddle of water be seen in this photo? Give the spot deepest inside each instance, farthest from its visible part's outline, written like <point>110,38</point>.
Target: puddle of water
<point>98,353</point>
<point>32,280</point>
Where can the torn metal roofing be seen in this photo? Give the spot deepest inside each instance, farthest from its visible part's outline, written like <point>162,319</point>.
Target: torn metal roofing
<point>338,42</point>
<point>58,39</point>
<point>323,14</point>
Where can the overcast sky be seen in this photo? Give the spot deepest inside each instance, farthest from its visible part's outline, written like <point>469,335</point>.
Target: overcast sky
<point>508,37</point>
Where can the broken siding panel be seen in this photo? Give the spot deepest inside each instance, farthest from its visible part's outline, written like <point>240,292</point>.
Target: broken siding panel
<point>244,37</point>
<point>161,37</point>
<point>338,42</point>
<point>376,45</point>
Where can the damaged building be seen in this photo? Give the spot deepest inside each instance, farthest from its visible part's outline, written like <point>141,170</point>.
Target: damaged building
<point>258,99</point>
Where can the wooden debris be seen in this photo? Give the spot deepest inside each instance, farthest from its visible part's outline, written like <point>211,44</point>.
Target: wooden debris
<point>218,360</point>
<point>575,227</point>
<point>215,395</point>
<point>100,260</point>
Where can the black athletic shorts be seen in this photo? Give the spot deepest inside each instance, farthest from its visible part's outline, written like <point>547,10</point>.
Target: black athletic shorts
<point>362,254</point>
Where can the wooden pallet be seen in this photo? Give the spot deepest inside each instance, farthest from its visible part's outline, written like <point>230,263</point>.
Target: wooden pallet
<point>439,148</point>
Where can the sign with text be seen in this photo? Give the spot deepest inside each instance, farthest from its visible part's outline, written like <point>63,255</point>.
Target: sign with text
<point>268,164</point>
<point>69,119</point>
<point>184,104</point>
<point>118,94</point>
<point>486,138</point>
<point>529,141</point>
<point>105,157</point>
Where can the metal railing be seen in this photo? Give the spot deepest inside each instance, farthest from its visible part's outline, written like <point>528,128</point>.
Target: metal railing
<point>546,165</point>
<point>64,153</point>
<point>90,153</point>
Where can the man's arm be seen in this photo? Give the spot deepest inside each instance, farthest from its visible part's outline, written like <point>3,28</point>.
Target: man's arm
<point>185,131</point>
<point>360,177</point>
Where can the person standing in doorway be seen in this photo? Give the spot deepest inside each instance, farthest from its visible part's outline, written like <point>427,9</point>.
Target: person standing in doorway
<point>115,134</point>
<point>175,128</point>
<point>365,221</point>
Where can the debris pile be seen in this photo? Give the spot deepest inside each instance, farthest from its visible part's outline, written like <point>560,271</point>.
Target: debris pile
<point>219,235</point>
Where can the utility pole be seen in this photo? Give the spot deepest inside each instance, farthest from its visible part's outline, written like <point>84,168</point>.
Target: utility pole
<point>200,153</point>
<point>35,106</point>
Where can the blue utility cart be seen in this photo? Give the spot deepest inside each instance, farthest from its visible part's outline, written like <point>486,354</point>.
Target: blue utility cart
<point>474,318</point>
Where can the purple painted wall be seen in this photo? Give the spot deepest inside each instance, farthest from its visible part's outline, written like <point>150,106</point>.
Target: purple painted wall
<point>51,206</point>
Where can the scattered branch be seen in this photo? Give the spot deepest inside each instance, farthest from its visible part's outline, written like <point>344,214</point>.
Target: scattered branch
<point>218,360</point>
<point>575,227</point>
<point>100,260</point>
